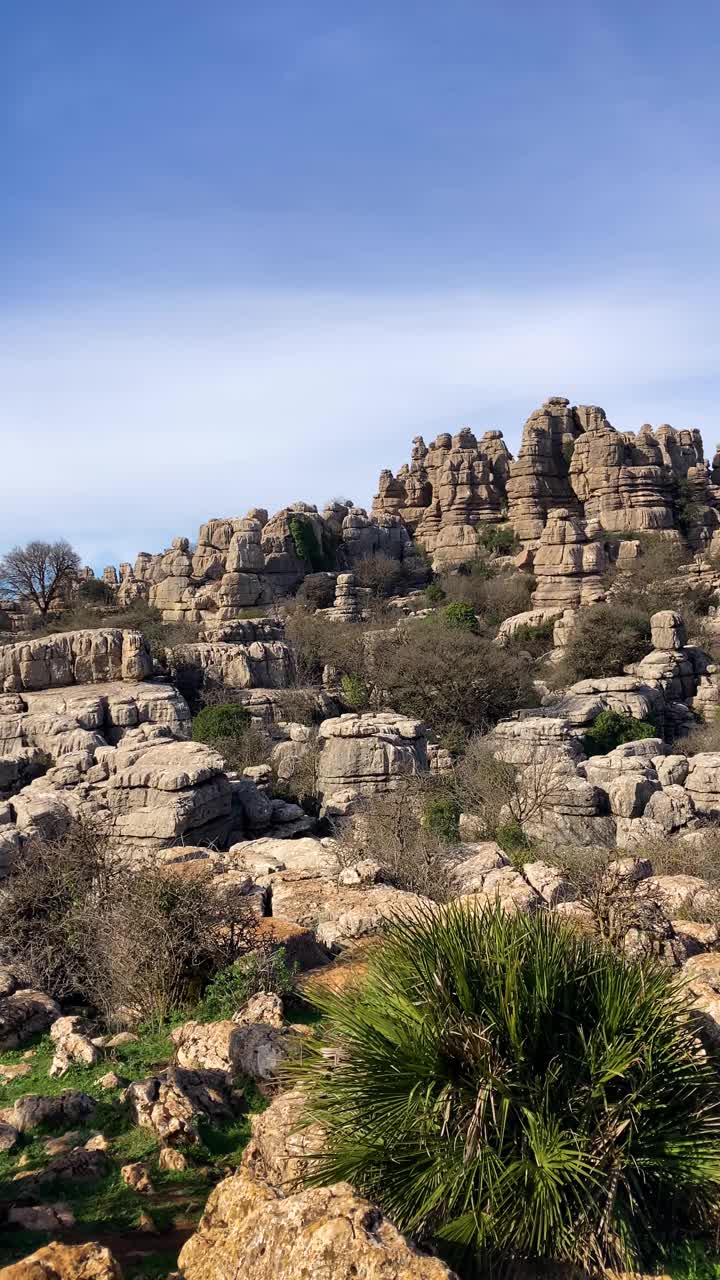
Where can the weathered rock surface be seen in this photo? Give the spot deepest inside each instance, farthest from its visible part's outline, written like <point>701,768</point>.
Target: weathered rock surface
<point>328,1233</point>
<point>73,1046</point>
<point>65,1262</point>
<point>23,1014</point>
<point>173,1102</point>
<point>75,657</point>
<point>281,1148</point>
<point>33,1110</point>
<point>567,566</point>
<point>365,755</point>
<point>255,1048</point>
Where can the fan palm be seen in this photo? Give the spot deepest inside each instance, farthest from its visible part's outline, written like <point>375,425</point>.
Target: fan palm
<point>504,1085</point>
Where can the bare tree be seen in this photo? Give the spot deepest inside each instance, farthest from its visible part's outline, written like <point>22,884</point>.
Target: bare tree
<point>39,572</point>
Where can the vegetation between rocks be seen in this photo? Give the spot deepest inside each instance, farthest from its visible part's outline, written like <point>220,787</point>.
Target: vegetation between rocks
<point>501,1086</point>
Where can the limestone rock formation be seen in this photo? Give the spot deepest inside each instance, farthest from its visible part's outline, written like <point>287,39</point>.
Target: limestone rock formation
<point>329,1233</point>
<point>539,480</point>
<point>568,568</point>
<point>447,491</point>
<point>366,754</point>
<point>65,1262</point>
<point>74,657</point>
<point>571,459</point>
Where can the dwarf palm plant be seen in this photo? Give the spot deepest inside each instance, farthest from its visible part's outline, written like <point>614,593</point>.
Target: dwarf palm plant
<point>501,1084</point>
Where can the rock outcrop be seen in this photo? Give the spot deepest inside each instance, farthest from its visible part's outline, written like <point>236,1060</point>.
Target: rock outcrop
<point>567,566</point>
<point>74,657</point>
<point>65,1262</point>
<point>364,755</point>
<point>247,563</point>
<point>328,1233</point>
<point>570,459</point>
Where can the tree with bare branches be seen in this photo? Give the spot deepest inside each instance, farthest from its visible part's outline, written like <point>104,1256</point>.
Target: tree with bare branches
<point>39,572</point>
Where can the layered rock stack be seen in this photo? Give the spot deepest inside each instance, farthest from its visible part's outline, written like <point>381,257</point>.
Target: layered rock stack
<point>246,563</point>
<point>567,566</point>
<point>539,478</point>
<point>570,459</point>
<point>447,491</point>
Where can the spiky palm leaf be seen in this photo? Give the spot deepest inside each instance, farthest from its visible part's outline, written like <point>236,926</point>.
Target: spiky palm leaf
<point>503,1084</point>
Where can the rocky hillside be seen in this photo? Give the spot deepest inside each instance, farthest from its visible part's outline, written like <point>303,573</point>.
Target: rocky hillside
<point>495,699</point>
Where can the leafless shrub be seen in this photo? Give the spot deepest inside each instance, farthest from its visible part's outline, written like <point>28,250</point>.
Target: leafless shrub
<point>449,677</point>
<point>678,857</point>
<point>252,748</point>
<point>390,829</point>
<point>43,903</point>
<point>705,737</point>
<point>381,573</point>
<point>625,912</point>
<point>494,595</point>
<point>318,642</point>
<point>498,792</point>
<point>163,936</point>
<point>298,780</point>
<point>299,706</point>
<point>79,921</point>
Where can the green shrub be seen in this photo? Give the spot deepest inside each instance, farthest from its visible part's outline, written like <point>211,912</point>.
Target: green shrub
<point>498,539</point>
<point>232,987</point>
<point>511,838</point>
<point>354,692</point>
<point>507,1088</point>
<point>95,591</point>
<point>604,640</point>
<point>460,616</point>
<point>454,680</point>
<point>441,816</point>
<point>226,721</point>
<point>611,728</point>
<point>434,593</point>
<point>306,545</point>
<point>536,640</point>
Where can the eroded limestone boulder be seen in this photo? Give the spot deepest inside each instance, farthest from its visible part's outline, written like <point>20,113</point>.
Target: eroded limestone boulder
<point>329,1233</point>
<point>74,657</point>
<point>366,755</point>
<point>65,1262</point>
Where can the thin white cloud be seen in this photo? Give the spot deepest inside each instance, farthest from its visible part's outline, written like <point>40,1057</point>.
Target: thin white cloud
<point>128,422</point>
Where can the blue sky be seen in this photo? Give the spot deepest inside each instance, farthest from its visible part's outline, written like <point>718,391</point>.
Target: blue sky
<point>248,250</point>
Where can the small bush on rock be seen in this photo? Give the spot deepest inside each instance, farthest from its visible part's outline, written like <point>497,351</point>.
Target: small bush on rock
<point>499,539</point>
<point>605,639</point>
<point>441,817</point>
<point>460,616</point>
<point>611,728</point>
<point>306,545</point>
<point>503,1087</point>
<point>355,693</point>
<point>216,723</point>
<point>434,593</point>
<point>261,970</point>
